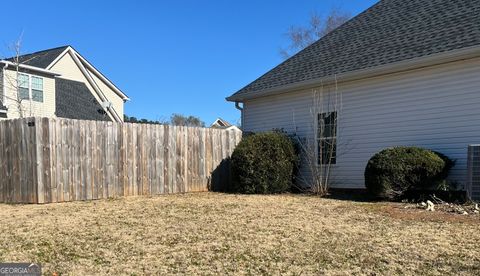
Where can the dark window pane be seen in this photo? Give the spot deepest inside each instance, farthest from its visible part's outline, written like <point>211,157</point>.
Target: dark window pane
<point>327,125</point>
<point>327,142</point>
<point>23,93</point>
<point>37,95</point>
<point>327,151</point>
<point>37,83</point>
<point>329,118</point>
<point>23,81</point>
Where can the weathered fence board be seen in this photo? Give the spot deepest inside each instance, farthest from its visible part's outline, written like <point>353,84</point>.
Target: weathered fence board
<point>46,160</point>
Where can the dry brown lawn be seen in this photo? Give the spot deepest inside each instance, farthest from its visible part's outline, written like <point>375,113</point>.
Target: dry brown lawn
<point>209,233</point>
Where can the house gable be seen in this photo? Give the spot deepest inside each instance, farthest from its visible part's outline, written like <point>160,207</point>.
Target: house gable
<point>72,68</point>
<point>88,66</point>
<point>40,59</point>
<point>220,123</point>
<point>66,62</point>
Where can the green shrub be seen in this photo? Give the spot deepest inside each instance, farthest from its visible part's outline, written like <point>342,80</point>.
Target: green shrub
<point>263,163</point>
<point>392,172</point>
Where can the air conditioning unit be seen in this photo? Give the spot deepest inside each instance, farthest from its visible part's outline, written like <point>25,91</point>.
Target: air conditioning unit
<point>473,177</point>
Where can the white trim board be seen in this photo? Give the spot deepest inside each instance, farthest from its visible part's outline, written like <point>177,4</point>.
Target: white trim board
<point>90,67</point>
<point>386,69</point>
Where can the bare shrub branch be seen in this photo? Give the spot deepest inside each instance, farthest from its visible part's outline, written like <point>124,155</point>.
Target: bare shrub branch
<point>318,148</point>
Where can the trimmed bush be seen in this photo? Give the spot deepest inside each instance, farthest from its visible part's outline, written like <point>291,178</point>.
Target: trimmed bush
<point>392,172</point>
<point>263,163</point>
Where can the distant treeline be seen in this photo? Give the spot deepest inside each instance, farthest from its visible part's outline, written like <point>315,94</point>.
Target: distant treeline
<point>175,120</point>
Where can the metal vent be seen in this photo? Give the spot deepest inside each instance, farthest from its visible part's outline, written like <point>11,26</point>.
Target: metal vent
<point>473,178</point>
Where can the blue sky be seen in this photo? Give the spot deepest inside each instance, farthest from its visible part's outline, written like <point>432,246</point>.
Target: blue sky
<point>169,56</point>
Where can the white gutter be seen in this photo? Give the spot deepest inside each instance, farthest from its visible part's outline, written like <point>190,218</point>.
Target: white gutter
<point>95,87</point>
<point>28,67</point>
<point>103,78</point>
<point>4,88</point>
<point>434,59</point>
<point>237,106</point>
<point>112,86</point>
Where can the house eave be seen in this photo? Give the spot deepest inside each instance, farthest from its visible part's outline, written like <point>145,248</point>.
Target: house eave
<point>406,65</point>
<point>97,73</point>
<point>28,67</point>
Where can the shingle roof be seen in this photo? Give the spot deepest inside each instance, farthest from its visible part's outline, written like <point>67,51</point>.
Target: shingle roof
<point>40,59</point>
<point>390,31</point>
<point>75,101</point>
<point>220,123</point>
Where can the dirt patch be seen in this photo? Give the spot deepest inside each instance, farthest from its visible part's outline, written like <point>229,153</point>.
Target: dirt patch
<point>415,213</point>
<point>211,234</point>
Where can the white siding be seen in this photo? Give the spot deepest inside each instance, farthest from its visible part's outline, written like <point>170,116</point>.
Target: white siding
<point>29,108</point>
<point>436,107</point>
<point>1,83</point>
<point>67,67</point>
<point>117,101</point>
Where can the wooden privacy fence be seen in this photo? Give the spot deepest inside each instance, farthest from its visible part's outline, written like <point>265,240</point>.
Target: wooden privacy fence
<point>47,160</point>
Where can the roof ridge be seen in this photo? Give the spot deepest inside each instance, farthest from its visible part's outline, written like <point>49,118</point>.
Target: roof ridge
<point>46,50</point>
<point>41,58</point>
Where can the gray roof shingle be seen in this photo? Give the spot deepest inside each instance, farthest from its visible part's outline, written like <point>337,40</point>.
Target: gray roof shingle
<point>40,59</point>
<point>75,101</point>
<point>390,31</point>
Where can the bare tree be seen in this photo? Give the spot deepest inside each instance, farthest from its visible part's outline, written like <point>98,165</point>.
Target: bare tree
<point>14,83</point>
<point>301,37</point>
<point>318,148</point>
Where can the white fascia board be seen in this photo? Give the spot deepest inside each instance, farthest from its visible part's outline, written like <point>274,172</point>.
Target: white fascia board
<point>58,58</point>
<point>94,85</point>
<point>401,66</point>
<point>101,76</point>
<point>70,49</point>
<point>31,68</point>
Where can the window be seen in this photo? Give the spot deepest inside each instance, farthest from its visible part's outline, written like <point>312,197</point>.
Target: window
<point>37,89</point>
<point>23,87</point>
<point>327,138</point>
<point>30,87</point>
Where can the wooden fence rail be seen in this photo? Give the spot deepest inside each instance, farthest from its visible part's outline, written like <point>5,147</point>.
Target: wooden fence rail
<point>46,160</point>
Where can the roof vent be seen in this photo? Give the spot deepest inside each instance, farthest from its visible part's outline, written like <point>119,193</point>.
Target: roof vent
<point>473,177</point>
<point>107,105</point>
<point>3,109</point>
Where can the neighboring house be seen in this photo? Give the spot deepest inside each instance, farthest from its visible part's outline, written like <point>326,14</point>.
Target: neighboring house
<point>57,82</point>
<point>407,73</point>
<point>222,124</point>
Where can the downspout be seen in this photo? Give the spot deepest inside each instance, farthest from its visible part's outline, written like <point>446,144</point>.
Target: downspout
<point>237,106</point>
<point>99,92</point>
<point>4,89</point>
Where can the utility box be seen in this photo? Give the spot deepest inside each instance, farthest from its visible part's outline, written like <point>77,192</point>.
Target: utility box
<point>473,177</point>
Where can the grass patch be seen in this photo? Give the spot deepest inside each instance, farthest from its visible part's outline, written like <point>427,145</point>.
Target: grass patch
<point>210,233</point>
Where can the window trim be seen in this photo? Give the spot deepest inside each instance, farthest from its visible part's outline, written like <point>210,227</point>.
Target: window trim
<point>19,86</point>
<point>334,138</point>
<point>30,88</point>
